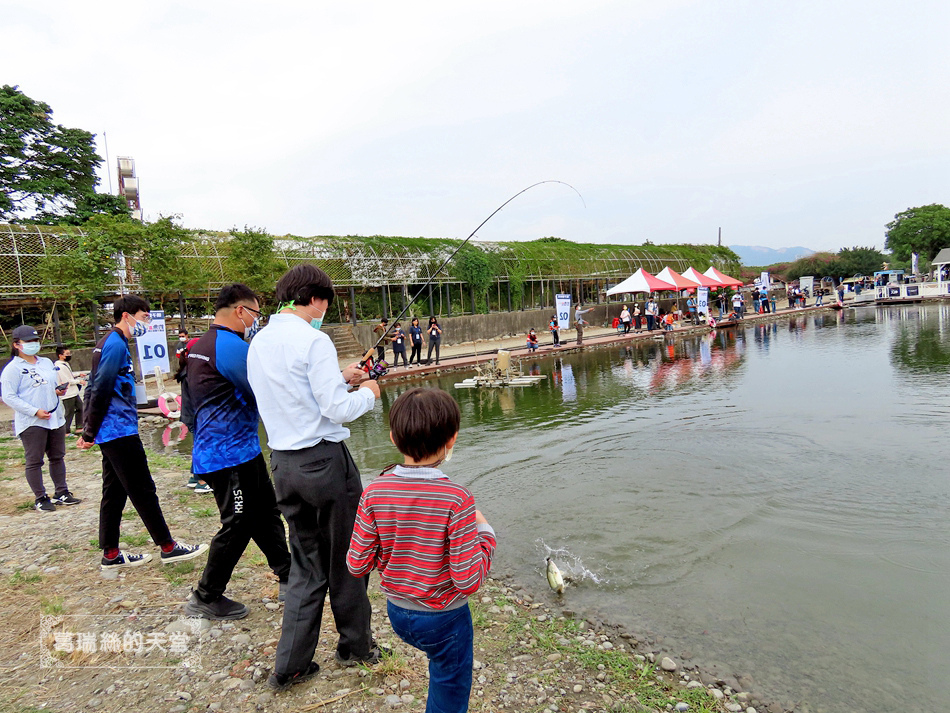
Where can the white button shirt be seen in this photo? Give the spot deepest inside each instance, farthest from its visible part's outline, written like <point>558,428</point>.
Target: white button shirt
<point>301,396</point>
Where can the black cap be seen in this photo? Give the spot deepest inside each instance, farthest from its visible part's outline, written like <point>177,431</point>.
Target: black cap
<point>25,333</point>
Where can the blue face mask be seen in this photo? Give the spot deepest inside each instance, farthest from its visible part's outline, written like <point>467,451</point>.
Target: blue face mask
<point>139,329</point>
<point>30,348</point>
<point>315,322</point>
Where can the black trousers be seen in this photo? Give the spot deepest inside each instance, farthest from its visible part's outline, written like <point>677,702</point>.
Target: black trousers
<point>416,353</point>
<point>37,442</point>
<point>73,406</point>
<point>397,354</point>
<point>380,353</point>
<point>125,476</point>
<point>434,344</point>
<point>557,337</point>
<point>318,492</point>
<point>248,508</point>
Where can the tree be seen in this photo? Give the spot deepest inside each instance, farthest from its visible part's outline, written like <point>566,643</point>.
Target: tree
<point>857,261</point>
<point>47,171</point>
<point>161,261</point>
<point>924,230</point>
<point>252,260</point>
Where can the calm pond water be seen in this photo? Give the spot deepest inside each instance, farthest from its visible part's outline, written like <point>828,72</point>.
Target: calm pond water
<point>772,500</point>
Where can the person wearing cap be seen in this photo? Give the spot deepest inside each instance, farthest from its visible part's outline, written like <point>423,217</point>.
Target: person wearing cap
<point>382,329</point>
<point>304,401</point>
<point>111,421</point>
<point>30,387</point>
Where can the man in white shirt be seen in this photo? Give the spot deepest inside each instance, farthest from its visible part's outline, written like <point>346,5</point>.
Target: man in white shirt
<point>304,400</point>
<point>737,302</point>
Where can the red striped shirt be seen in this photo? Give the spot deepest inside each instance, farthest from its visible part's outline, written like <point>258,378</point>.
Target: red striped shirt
<point>420,533</point>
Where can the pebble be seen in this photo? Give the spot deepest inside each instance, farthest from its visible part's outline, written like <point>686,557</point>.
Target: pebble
<point>750,709</point>
<point>241,639</point>
<point>668,664</point>
<point>265,698</point>
<point>733,707</point>
<point>272,606</point>
<point>407,698</point>
<point>177,709</point>
<point>215,677</point>
<point>717,694</point>
<point>109,574</point>
<point>232,683</point>
<point>554,657</point>
<point>681,707</point>
<point>393,701</point>
<point>404,684</point>
<point>183,695</point>
<point>578,688</point>
<point>94,703</point>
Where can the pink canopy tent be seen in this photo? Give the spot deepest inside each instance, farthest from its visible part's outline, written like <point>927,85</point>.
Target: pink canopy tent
<point>640,281</point>
<point>694,274</point>
<point>673,277</point>
<point>724,279</point>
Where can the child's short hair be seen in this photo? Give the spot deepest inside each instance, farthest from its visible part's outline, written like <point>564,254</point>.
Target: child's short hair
<point>422,421</point>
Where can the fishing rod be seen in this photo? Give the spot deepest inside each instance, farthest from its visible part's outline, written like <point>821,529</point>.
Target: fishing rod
<point>377,370</point>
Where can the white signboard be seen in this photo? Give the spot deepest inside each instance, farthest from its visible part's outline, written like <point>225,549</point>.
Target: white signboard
<point>807,283</point>
<point>702,301</point>
<point>765,281</point>
<point>153,345</point>
<point>563,306</point>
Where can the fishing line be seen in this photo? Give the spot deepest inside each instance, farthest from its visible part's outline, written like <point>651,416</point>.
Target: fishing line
<point>367,357</point>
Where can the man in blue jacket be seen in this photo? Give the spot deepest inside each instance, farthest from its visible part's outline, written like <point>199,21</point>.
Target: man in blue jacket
<point>227,453</point>
<point>111,421</point>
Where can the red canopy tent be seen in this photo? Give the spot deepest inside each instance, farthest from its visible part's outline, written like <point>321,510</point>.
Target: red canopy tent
<point>724,279</point>
<point>694,274</point>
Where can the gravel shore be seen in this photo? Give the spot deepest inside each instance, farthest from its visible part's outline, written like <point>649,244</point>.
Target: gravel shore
<point>76,639</point>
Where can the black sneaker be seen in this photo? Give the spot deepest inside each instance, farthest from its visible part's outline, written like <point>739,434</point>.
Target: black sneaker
<point>374,656</point>
<point>183,552</point>
<point>125,559</point>
<point>283,681</point>
<point>66,499</point>
<point>44,504</point>
<point>220,608</point>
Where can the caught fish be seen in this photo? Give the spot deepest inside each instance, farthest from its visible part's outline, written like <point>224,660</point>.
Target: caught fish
<point>555,579</point>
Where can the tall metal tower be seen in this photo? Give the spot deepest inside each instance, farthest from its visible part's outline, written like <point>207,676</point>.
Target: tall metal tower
<point>129,185</point>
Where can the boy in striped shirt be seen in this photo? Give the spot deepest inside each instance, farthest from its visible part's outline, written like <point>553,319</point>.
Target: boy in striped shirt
<point>430,544</point>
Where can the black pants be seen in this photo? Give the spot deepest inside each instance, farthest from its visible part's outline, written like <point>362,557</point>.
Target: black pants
<point>399,353</point>
<point>318,491</point>
<point>434,344</point>
<point>416,353</point>
<point>37,442</point>
<point>125,476</point>
<point>248,508</point>
<point>557,337</point>
<point>73,406</point>
<point>626,327</point>
<point>637,323</point>
<point>380,353</point>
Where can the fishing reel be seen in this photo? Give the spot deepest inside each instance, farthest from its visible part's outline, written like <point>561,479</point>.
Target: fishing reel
<point>375,369</point>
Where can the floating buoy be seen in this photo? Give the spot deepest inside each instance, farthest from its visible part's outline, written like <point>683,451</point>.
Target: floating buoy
<point>166,409</point>
<point>170,429</point>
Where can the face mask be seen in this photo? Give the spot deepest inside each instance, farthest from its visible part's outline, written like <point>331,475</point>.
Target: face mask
<point>448,454</point>
<point>30,348</point>
<point>139,329</point>
<point>253,329</point>
<point>182,339</point>
<point>67,358</point>
<point>317,322</point>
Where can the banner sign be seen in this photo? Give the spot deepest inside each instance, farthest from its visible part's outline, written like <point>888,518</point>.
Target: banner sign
<point>702,301</point>
<point>153,345</point>
<point>807,283</point>
<point>764,281</point>
<point>563,306</point>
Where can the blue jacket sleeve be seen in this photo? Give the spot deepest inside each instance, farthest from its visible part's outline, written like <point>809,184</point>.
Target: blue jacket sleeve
<point>102,386</point>
<point>231,360</point>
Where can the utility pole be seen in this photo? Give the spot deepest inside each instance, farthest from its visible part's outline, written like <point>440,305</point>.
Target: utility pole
<point>720,237</point>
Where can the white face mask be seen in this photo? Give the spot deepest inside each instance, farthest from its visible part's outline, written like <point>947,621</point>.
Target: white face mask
<point>138,328</point>
<point>254,328</point>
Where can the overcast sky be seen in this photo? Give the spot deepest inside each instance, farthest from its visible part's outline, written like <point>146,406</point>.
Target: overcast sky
<point>802,123</point>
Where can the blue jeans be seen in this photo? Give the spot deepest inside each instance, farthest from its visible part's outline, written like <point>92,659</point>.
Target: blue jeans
<point>446,638</point>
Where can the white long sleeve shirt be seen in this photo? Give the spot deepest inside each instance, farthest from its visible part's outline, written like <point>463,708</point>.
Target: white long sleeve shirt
<point>28,387</point>
<point>301,396</point>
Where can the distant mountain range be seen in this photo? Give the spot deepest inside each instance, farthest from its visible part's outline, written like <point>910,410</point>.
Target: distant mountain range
<point>757,255</point>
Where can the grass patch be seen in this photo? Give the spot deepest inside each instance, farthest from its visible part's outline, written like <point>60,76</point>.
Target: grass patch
<point>204,512</point>
<point>176,574</point>
<point>184,498</point>
<point>135,540</point>
<point>6,477</point>
<point>26,506</point>
<point>168,462</point>
<point>20,578</point>
<point>94,543</point>
<point>52,606</point>
<point>63,546</point>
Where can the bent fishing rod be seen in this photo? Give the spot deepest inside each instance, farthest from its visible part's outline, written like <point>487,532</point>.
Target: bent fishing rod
<point>366,363</point>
